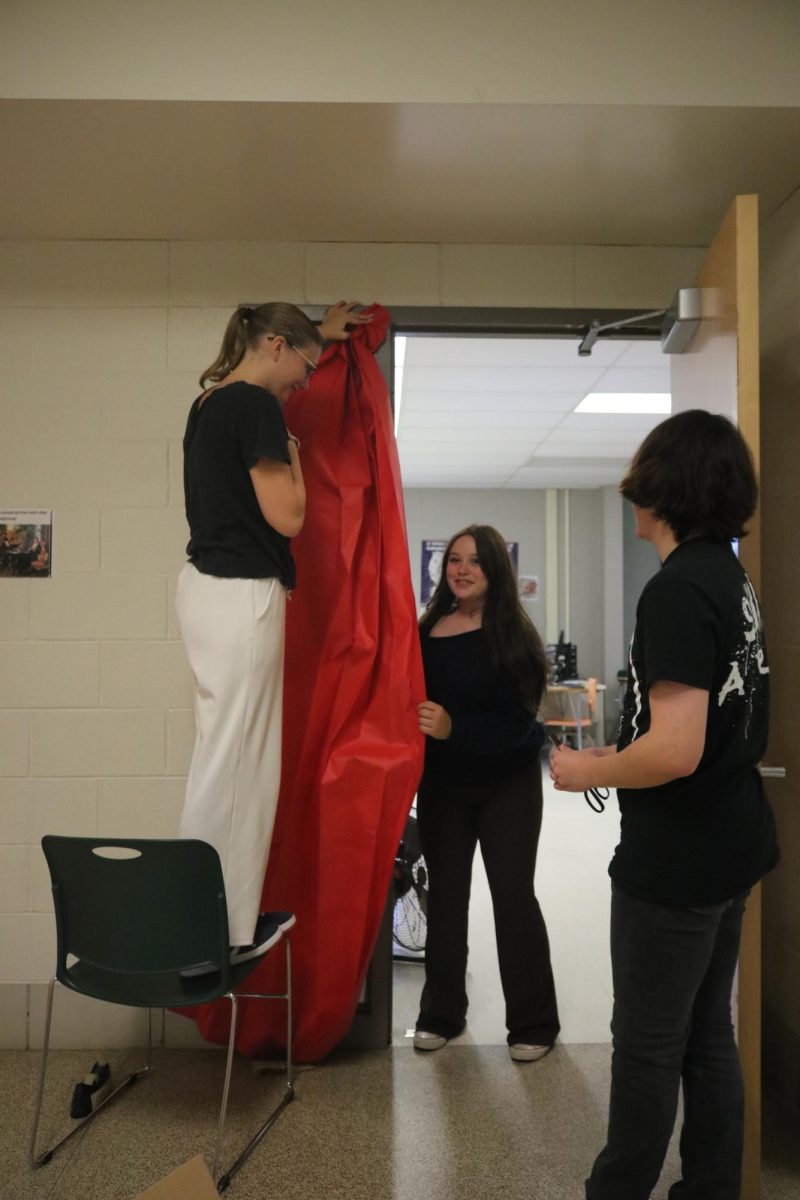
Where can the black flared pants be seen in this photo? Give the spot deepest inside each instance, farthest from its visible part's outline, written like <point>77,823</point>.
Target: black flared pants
<point>505,818</point>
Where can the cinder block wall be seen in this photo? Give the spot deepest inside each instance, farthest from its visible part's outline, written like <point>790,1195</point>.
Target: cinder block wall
<point>101,344</point>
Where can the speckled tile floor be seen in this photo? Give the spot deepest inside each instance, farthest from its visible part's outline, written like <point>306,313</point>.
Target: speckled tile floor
<point>464,1123</point>
<point>461,1124</point>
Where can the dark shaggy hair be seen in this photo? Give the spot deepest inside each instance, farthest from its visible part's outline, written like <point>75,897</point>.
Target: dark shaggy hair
<point>695,471</point>
<point>510,634</point>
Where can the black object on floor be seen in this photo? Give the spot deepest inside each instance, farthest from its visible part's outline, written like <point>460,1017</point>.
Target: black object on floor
<point>91,1091</point>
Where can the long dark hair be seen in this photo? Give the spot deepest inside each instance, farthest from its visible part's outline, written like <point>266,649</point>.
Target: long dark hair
<point>249,323</point>
<point>510,634</point>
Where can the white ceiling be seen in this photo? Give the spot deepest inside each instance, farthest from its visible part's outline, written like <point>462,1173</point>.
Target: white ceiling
<point>499,412</point>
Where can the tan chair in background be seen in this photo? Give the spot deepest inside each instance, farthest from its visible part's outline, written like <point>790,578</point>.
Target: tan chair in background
<point>582,703</point>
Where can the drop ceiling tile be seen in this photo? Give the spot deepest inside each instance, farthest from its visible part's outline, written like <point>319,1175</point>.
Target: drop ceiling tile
<point>640,423</point>
<point>642,354</point>
<point>634,379</point>
<point>489,398</point>
<point>592,437</point>
<point>441,479</point>
<point>452,352</point>
<point>496,412</point>
<point>502,378</point>
<point>576,449</point>
<point>415,425</point>
<point>585,477</point>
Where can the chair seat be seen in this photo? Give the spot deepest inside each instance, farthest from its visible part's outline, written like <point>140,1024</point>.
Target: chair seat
<point>151,989</point>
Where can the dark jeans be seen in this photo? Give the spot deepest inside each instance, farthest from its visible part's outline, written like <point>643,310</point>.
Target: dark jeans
<point>505,817</point>
<point>673,975</point>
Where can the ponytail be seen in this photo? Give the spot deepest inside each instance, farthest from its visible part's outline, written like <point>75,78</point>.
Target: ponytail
<point>251,322</point>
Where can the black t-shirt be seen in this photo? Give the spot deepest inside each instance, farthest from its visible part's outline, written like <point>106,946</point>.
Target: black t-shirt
<point>493,735</point>
<point>709,836</point>
<point>225,436</point>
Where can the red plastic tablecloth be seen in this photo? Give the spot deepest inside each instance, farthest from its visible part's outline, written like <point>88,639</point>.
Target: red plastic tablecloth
<point>352,752</point>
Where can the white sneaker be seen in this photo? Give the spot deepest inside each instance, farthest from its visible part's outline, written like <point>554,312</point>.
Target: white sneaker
<point>521,1052</point>
<point>423,1040</point>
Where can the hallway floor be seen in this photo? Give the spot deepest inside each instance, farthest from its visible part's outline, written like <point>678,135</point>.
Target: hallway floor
<point>461,1124</point>
<point>464,1123</point>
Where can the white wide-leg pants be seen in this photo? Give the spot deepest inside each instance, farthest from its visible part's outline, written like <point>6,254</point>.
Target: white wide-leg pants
<point>233,630</point>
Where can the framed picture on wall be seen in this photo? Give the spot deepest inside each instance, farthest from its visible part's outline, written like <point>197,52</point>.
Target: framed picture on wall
<point>431,567</point>
<point>528,587</point>
<point>26,543</point>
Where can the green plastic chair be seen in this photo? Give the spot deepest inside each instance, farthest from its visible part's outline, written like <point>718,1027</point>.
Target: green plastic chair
<point>144,922</point>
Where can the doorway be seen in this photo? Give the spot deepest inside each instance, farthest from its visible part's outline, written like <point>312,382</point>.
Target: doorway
<point>488,433</point>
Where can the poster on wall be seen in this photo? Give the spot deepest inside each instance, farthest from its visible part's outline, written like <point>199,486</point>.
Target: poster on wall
<point>26,543</point>
<point>431,566</point>
<point>528,586</point>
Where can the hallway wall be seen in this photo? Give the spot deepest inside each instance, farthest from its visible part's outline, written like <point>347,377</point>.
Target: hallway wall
<point>102,343</point>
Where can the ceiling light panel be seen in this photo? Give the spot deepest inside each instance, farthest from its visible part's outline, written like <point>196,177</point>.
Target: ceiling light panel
<point>656,403</point>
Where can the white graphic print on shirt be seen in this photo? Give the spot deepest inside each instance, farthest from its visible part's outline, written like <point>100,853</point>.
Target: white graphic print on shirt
<point>748,660</point>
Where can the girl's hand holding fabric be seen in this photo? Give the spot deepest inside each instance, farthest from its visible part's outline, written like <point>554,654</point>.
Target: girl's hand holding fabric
<point>333,326</point>
<point>434,721</point>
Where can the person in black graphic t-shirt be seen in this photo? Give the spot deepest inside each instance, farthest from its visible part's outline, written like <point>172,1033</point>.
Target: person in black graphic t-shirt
<point>245,499</point>
<point>696,830</point>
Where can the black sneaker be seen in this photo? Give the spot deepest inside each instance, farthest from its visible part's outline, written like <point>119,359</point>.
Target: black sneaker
<point>266,935</point>
<point>284,920</point>
<point>91,1091</point>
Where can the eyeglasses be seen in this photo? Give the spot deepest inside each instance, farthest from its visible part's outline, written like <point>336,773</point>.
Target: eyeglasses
<point>310,366</point>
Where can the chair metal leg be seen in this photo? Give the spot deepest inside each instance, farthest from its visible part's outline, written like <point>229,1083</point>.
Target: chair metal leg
<point>225,1180</point>
<point>226,1087</point>
<point>289,1065</point>
<point>40,1090</point>
<point>42,1159</point>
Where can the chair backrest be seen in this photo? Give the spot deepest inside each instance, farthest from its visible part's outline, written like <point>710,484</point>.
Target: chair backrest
<point>591,694</point>
<point>138,906</point>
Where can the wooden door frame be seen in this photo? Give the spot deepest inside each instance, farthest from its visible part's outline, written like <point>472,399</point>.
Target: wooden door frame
<point>729,279</point>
